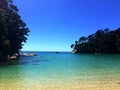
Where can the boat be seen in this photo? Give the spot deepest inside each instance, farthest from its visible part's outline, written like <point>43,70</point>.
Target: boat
<point>57,52</point>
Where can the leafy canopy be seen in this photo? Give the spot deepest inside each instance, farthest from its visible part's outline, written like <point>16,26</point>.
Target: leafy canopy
<point>102,41</point>
<point>13,31</point>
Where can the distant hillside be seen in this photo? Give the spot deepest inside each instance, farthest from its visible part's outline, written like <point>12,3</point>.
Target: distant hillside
<point>102,41</point>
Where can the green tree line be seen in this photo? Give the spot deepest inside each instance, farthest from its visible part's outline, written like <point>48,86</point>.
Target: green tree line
<point>102,41</point>
<point>13,31</point>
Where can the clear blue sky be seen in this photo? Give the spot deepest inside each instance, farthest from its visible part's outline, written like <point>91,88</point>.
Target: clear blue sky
<point>56,24</point>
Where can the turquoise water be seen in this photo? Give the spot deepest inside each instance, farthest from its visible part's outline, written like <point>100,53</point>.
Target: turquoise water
<point>49,68</point>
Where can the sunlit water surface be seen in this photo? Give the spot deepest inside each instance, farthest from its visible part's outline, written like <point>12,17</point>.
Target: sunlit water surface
<point>62,71</point>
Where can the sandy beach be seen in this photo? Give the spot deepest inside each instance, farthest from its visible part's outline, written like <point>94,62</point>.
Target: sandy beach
<point>87,84</point>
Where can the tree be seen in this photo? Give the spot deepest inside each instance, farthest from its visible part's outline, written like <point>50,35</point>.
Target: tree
<point>102,41</point>
<point>72,46</point>
<point>82,39</point>
<point>13,30</point>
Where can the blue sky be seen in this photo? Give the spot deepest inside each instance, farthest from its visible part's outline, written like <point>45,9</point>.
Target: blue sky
<point>56,24</point>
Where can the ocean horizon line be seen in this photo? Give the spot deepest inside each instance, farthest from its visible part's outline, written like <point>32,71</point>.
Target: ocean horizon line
<point>41,51</point>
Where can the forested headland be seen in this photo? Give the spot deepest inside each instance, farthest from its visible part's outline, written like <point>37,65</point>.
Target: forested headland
<point>13,30</point>
<point>102,41</point>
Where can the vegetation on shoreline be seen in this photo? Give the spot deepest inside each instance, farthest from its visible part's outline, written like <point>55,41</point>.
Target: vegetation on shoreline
<point>13,31</point>
<point>102,41</point>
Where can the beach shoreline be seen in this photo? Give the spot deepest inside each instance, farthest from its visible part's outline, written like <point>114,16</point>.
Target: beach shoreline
<point>103,84</point>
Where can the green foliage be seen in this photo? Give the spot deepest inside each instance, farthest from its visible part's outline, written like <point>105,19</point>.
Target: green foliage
<point>13,30</point>
<point>102,41</point>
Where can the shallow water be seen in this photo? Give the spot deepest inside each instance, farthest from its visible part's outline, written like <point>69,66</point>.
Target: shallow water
<point>62,71</point>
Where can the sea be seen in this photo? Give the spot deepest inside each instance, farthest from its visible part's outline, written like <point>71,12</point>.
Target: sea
<point>62,71</point>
